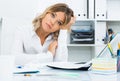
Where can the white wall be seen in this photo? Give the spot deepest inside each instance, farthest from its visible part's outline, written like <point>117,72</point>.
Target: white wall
<point>15,13</point>
<point>43,4</point>
<point>18,8</point>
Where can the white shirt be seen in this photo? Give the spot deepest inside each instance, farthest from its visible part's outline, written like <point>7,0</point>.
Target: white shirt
<point>27,47</point>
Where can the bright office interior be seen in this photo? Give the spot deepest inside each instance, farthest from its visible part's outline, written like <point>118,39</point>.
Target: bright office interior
<point>18,13</point>
<point>99,15</point>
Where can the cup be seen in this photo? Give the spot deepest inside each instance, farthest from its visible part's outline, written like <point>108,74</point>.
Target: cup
<point>6,67</point>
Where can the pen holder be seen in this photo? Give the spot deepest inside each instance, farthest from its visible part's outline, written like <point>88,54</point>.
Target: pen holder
<point>118,60</point>
<point>104,65</point>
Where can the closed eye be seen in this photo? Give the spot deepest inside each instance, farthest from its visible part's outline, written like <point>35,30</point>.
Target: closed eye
<point>60,23</point>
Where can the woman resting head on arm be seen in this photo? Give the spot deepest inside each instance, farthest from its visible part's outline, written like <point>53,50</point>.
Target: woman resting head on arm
<point>47,42</point>
<point>55,18</point>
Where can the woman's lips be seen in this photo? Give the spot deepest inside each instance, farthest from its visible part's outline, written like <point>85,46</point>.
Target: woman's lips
<point>49,26</point>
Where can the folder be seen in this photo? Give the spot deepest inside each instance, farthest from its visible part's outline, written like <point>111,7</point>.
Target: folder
<point>113,9</point>
<point>91,9</point>
<point>100,9</point>
<point>79,7</point>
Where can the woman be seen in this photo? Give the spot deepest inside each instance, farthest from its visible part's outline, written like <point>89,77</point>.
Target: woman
<point>46,40</point>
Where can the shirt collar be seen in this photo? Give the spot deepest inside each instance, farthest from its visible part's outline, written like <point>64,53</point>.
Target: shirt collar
<point>34,34</point>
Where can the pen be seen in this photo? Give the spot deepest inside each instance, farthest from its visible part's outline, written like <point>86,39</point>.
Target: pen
<point>28,72</point>
<point>119,45</point>
<point>110,49</point>
<point>27,75</point>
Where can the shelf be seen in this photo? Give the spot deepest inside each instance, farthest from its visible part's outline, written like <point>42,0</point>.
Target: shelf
<point>85,20</point>
<point>69,45</point>
<point>89,45</point>
<point>108,20</point>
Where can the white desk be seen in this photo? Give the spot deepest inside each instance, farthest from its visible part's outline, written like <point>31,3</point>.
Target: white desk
<point>73,75</point>
<point>84,76</point>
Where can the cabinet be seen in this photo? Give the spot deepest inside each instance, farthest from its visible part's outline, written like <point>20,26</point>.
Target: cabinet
<point>81,48</point>
<point>83,51</point>
<point>101,15</point>
<point>112,18</point>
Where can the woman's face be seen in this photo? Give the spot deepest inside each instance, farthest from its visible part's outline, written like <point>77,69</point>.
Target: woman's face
<point>52,21</point>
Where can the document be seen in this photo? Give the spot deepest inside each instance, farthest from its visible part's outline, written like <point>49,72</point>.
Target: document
<point>25,70</point>
<point>79,7</point>
<point>91,9</point>
<point>70,65</point>
<point>100,9</point>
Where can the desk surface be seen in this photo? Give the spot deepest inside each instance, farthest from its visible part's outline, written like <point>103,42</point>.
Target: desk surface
<point>64,75</point>
<point>83,76</point>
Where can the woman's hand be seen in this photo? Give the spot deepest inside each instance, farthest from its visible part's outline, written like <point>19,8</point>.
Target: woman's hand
<point>72,21</point>
<point>52,47</point>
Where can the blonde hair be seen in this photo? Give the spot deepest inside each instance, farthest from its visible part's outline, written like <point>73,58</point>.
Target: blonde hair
<point>59,7</point>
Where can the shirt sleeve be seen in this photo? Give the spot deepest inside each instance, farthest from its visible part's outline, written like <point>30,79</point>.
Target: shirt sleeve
<point>22,58</point>
<point>62,50</point>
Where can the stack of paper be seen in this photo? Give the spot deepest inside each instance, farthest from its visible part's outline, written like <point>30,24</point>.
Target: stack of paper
<point>104,65</point>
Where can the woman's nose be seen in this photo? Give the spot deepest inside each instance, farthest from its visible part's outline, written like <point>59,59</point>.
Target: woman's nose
<point>53,21</point>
